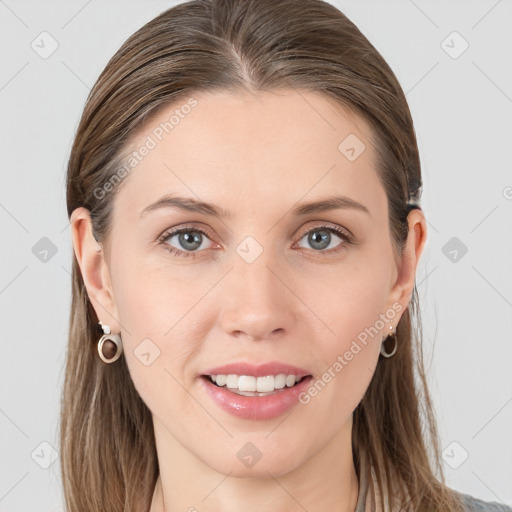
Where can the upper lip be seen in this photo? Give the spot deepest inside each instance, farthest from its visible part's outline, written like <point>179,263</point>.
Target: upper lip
<point>261,370</point>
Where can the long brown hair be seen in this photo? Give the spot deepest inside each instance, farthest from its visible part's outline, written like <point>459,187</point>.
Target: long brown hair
<point>108,455</point>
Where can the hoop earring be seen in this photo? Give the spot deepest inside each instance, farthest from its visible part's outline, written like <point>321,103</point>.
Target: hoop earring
<point>110,347</point>
<point>383,350</point>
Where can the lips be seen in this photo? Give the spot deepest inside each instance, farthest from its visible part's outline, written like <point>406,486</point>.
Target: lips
<point>262,370</point>
<point>255,408</point>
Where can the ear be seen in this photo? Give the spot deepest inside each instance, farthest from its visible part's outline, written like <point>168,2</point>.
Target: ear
<point>91,259</point>
<point>403,286</point>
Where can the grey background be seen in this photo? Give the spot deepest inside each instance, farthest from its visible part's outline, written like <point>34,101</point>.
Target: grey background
<point>462,110</point>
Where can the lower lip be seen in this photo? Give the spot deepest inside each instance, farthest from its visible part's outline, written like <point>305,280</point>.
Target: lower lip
<point>255,407</point>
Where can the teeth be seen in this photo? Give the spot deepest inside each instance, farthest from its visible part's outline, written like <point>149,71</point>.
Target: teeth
<point>231,381</point>
<point>290,380</point>
<point>220,379</point>
<point>249,383</point>
<point>280,381</point>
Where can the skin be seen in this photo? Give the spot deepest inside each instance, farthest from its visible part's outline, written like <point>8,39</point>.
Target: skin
<point>256,156</point>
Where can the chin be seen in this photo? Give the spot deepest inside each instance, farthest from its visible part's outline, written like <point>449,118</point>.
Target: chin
<point>242,458</point>
<point>262,469</point>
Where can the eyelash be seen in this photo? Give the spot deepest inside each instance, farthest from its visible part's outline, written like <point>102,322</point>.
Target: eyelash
<point>347,239</point>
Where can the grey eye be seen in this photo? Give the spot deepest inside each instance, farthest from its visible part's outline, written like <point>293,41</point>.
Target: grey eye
<point>189,240</point>
<point>320,238</point>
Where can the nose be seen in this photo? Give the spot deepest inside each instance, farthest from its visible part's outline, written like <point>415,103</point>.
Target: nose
<point>258,303</point>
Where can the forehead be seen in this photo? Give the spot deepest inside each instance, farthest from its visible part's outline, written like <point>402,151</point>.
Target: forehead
<point>241,149</point>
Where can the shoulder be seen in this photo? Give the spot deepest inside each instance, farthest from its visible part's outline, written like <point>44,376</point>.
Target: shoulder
<point>472,504</point>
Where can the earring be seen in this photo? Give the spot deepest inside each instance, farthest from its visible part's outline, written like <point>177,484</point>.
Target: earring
<point>110,347</point>
<point>383,350</point>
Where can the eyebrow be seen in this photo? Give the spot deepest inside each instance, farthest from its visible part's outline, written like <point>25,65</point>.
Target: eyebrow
<point>189,204</point>
<point>331,203</point>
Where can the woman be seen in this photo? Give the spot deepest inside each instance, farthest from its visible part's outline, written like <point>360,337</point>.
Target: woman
<point>243,192</point>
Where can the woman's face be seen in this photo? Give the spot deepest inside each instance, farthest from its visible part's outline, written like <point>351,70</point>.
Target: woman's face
<point>260,283</point>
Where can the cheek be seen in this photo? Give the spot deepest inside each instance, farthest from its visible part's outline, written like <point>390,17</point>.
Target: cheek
<point>349,355</point>
<point>154,300</point>
<point>350,302</point>
<point>353,309</point>
<point>158,328</point>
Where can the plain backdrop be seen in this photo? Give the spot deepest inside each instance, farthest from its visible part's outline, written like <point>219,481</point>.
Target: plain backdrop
<point>453,61</point>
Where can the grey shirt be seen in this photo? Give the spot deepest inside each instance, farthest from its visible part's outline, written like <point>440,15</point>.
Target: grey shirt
<point>476,505</point>
<point>470,503</point>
